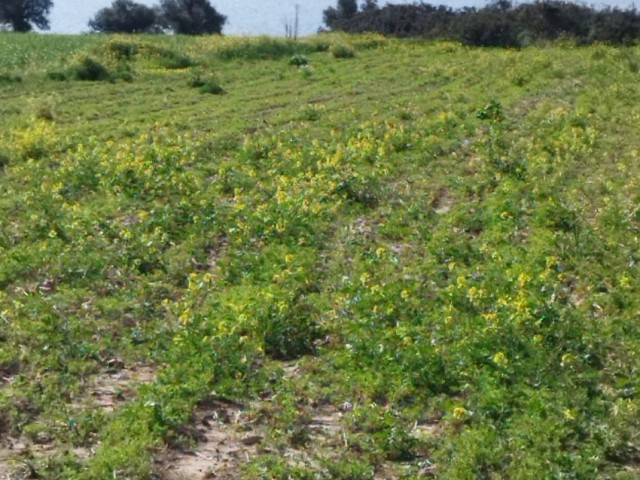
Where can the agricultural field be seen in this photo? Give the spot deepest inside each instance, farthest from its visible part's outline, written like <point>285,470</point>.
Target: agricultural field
<point>346,257</point>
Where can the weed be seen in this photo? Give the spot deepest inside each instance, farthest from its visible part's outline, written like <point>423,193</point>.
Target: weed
<point>289,331</point>
<point>177,62</point>
<point>298,60</point>
<point>311,114</point>
<point>268,48</point>
<point>6,79</point>
<point>307,71</point>
<point>342,51</point>
<point>208,84</point>
<point>213,87</point>
<point>391,286</point>
<point>89,69</point>
<point>491,111</point>
<point>123,50</point>
<point>58,76</point>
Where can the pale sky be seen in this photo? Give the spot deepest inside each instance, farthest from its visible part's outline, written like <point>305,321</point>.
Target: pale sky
<point>250,17</point>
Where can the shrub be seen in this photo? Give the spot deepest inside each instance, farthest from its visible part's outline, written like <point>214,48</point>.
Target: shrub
<point>298,60</point>
<point>290,332</point>
<point>58,76</point>
<point>7,79</point>
<point>123,50</point>
<point>91,70</point>
<point>260,49</point>
<point>4,160</point>
<point>177,62</point>
<point>209,84</point>
<point>266,48</point>
<point>311,114</point>
<point>212,86</point>
<point>342,51</point>
<point>491,111</point>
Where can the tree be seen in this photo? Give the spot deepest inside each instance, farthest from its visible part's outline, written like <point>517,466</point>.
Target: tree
<point>125,16</point>
<point>346,9</point>
<point>191,17</point>
<point>369,5</point>
<point>22,15</point>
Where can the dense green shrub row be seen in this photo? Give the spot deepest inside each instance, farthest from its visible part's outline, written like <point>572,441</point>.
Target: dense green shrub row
<point>500,23</point>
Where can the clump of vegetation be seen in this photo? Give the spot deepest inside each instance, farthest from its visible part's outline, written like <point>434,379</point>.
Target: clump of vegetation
<point>7,79</point>
<point>90,69</point>
<point>172,61</point>
<point>500,23</point>
<point>442,281</point>
<point>298,60</point>
<point>123,50</point>
<point>264,48</point>
<point>207,84</point>
<point>167,58</point>
<point>290,331</point>
<point>342,51</point>
<point>57,75</point>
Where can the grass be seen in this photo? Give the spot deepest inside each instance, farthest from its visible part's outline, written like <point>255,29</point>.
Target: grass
<point>431,247</point>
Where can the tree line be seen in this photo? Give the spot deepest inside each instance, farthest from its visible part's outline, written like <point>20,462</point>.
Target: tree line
<point>500,23</point>
<point>192,17</point>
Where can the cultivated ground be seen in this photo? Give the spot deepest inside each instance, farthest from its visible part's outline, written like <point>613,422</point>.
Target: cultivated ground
<point>337,258</point>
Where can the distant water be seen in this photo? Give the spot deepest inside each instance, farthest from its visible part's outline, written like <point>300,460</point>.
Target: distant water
<point>248,17</point>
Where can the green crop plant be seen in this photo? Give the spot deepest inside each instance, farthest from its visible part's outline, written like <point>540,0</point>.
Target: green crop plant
<point>411,263</point>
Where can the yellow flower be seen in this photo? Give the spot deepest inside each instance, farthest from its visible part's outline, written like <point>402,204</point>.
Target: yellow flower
<point>567,359</point>
<point>459,413</point>
<point>500,358</point>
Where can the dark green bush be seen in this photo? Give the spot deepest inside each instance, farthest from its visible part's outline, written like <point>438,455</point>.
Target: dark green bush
<point>212,86</point>
<point>91,70</point>
<point>342,51</point>
<point>208,84</point>
<point>123,50</point>
<point>4,160</point>
<point>58,76</point>
<point>298,60</point>
<point>500,23</point>
<point>7,79</point>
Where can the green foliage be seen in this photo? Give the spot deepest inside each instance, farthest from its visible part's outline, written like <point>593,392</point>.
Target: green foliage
<point>23,15</point>
<point>342,51</point>
<point>191,17</point>
<point>6,79</point>
<point>289,331</point>
<point>208,84</point>
<point>491,111</point>
<point>499,23</point>
<point>298,60</point>
<point>263,48</point>
<point>441,281</point>
<point>123,50</point>
<point>125,16</point>
<point>92,70</point>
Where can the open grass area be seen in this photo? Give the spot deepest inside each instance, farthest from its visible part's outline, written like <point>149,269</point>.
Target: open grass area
<point>346,257</point>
